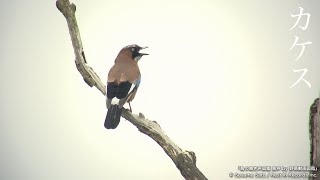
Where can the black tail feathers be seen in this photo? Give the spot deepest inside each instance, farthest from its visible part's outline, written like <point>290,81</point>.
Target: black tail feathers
<point>113,117</point>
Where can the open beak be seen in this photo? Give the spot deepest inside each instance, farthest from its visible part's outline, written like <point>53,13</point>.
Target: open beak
<point>142,49</point>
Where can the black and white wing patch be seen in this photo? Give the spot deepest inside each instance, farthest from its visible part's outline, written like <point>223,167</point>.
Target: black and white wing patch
<point>118,90</point>
<point>119,93</point>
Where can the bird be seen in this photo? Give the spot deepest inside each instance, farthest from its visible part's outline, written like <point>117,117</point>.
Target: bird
<point>123,81</point>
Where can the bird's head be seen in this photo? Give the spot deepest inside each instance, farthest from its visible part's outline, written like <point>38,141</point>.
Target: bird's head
<point>134,51</point>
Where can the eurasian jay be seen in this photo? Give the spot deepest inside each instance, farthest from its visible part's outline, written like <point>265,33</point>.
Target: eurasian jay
<point>123,81</point>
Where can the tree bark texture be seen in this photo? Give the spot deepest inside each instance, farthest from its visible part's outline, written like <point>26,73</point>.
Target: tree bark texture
<point>314,138</point>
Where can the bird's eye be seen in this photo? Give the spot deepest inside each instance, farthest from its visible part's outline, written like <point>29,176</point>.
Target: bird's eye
<point>132,49</point>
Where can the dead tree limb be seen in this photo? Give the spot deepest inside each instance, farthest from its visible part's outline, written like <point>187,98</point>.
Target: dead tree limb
<point>314,131</point>
<point>185,161</point>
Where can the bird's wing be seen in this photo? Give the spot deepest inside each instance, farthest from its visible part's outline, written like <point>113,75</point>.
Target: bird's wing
<point>134,90</point>
<point>122,85</point>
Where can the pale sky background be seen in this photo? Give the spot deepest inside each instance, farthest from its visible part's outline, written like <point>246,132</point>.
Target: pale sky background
<point>216,80</point>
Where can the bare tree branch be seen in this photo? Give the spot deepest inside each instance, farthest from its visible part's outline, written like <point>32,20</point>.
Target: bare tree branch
<point>185,161</point>
<point>314,130</point>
